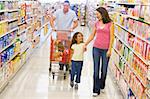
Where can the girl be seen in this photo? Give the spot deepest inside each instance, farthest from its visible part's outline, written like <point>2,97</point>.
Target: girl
<point>104,32</point>
<point>77,48</point>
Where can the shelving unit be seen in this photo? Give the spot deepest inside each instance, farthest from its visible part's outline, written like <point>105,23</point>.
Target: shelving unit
<point>27,23</point>
<point>125,32</point>
<point>82,18</point>
<point>133,33</point>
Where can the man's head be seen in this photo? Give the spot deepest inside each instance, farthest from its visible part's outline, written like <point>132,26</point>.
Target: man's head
<point>66,6</point>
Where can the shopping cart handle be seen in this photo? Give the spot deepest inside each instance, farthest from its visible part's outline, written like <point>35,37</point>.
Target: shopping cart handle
<point>63,31</point>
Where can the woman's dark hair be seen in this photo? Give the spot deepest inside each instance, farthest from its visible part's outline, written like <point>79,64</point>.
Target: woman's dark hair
<point>74,41</point>
<point>105,15</point>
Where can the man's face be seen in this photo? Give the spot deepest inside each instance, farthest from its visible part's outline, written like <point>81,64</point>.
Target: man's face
<point>66,7</point>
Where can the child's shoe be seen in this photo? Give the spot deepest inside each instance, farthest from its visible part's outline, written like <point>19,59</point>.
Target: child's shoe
<point>76,86</point>
<point>71,83</point>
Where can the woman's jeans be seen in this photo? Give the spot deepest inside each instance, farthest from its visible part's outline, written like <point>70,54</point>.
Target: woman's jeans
<point>76,69</point>
<point>99,81</point>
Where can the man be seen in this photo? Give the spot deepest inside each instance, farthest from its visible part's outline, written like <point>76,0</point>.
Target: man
<point>65,19</point>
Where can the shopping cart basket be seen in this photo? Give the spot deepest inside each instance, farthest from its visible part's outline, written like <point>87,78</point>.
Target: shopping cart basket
<point>60,53</point>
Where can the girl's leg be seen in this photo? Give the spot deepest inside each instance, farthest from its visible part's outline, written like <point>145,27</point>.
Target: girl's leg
<point>104,68</point>
<point>79,69</point>
<point>96,59</point>
<point>73,65</point>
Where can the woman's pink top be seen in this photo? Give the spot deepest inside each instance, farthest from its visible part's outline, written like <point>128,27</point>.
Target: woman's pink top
<point>102,36</point>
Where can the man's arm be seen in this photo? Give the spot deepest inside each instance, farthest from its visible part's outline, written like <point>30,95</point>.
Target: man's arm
<point>75,24</point>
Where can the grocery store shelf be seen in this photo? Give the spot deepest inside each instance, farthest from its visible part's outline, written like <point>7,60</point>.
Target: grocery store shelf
<point>8,20</point>
<point>3,85</point>
<point>120,3</point>
<point>7,10</point>
<point>3,11</point>
<point>11,77</point>
<point>139,78</point>
<point>12,30</point>
<point>147,93</point>
<point>3,65</point>
<point>13,10</point>
<point>12,19</point>
<point>134,17</point>
<point>28,27</point>
<point>137,54</point>
<point>36,36</point>
<point>24,50</point>
<point>125,96</point>
<point>8,46</point>
<point>43,26</point>
<point>3,21</point>
<point>148,75</point>
<point>28,19</point>
<point>34,15</point>
<point>22,31</point>
<point>21,23</point>
<point>129,16</point>
<point>8,0</point>
<point>133,33</point>
<point>148,4</point>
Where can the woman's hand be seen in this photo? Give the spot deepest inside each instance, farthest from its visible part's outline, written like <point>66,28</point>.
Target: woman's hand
<point>109,53</point>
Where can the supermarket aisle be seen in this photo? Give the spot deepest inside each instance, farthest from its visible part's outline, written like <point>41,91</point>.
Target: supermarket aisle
<point>33,81</point>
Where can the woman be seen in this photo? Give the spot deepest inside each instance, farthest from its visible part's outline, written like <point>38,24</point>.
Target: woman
<point>104,32</point>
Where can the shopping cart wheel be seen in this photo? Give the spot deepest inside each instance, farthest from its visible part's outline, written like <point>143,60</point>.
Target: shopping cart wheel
<point>50,67</point>
<point>69,71</point>
<point>53,75</point>
<point>64,76</point>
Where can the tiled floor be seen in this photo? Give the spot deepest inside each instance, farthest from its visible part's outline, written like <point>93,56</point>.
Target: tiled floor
<point>33,80</point>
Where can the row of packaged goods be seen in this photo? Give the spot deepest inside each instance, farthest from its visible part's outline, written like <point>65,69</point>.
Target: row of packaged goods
<point>11,68</point>
<point>133,26</point>
<point>139,46</point>
<point>46,28</point>
<point>133,1</point>
<point>132,60</point>
<point>82,16</point>
<point>6,27</point>
<point>91,17</point>
<point>7,54</point>
<point>9,16</point>
<point>4,5</point>
<point>32,9</point>
<point>123,84</point>
<point>7,39</point>
<point>138,11</point>
<point>127,79</point>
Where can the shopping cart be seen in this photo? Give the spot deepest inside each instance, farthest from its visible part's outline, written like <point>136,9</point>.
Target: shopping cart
<point>60,53</point>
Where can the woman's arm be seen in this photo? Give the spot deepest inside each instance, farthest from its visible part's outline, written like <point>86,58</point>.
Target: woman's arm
<point>91,36</point>
<point>111,40</point>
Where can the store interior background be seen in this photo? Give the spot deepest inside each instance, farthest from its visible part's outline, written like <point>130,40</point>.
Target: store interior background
<point>130,60</point>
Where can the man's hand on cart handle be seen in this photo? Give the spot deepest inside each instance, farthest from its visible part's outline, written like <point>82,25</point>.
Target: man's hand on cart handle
<point>62,30</point>
<point>71,30</point>
<point>53,29</point>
